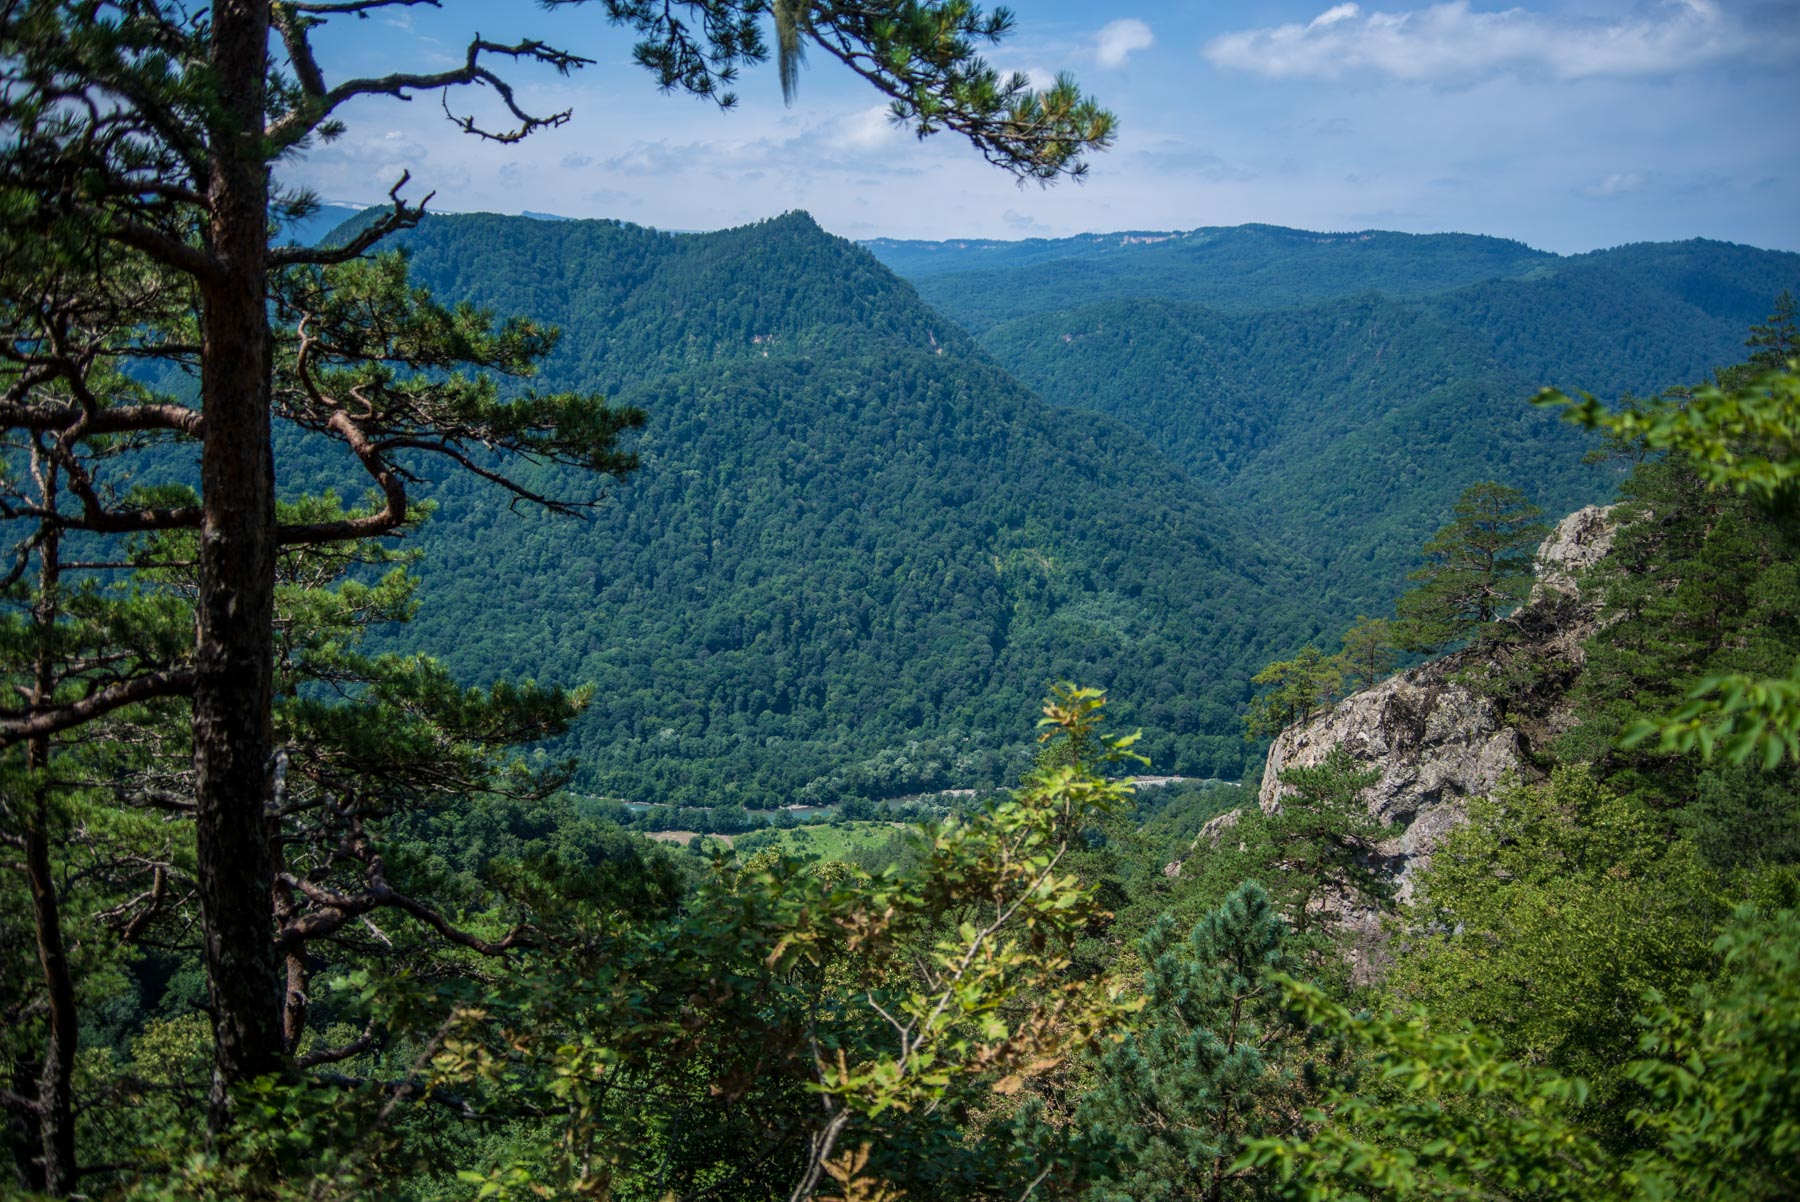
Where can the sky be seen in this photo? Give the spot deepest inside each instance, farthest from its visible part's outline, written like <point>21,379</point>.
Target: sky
<point>1570,126</point>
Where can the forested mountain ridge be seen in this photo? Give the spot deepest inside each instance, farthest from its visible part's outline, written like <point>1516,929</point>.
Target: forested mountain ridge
<point>1239,268</point>
<point>633,303</point>
<point>1346,424</point>
<point>1347,427</point>
<point>1636,318</point>
<point>856,552</point>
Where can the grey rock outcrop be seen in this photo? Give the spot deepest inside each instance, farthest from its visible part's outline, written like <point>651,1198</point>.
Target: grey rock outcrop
<point>1211,832</point>
<point>1579,541</point>
<point>1441,733</point>
<point>1436,742</point>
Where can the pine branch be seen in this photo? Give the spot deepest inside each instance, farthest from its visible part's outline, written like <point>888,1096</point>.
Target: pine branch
<point>55,719</point>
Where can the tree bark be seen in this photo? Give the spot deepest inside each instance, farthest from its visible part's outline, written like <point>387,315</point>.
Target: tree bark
<point>55,1089</point>
<point>55,1092</point>
<point>234,666</point>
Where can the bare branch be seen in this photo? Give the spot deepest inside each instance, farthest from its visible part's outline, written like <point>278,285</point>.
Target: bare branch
<point>403,217</point>
<point>335,909</point>
<point>119,419</point>
<point>519,491</point>
<point>355,1047</point>
<point>338,7</point>
<point>303,119</point>
<point>167,250</point>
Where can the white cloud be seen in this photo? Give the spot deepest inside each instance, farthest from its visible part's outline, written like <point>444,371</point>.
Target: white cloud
<point>1617,184</point>
<point>1117,41</point>
<point>865,130</point>
<point>1448,42</point>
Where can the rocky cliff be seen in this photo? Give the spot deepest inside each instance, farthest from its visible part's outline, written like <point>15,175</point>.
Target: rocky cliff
<point>1460,725</point>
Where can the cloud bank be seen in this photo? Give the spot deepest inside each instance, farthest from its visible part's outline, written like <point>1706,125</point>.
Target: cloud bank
<point>1449,42</point>
<point>1117,41</point>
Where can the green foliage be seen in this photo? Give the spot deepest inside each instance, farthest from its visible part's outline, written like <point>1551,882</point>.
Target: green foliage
<point>1369,650</point>
<point>1702,585</point>
<point>1302,685</point>
<point>1744,436</point>
<point>883,999</point>
<point>1418,408</point>
<point>1311,679</point>
<point>848,842</point>
<point>1775,342</point>
<point>1214,1059</point>
<point>852,564</point>
<point>1739,717</point>
<point>1547,916</point>
<point>919,53</point>
<point>1457,1118</point>
<point>1316,855</point>
<point>1722,1072</point>
<point>1478,567</point>
<point>638,1043</point>
<point>1444,1115</point>
<point>1217,346</point>
<point>1323,839</point>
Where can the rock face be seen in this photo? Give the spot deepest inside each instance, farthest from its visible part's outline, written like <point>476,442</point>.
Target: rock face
<point>1579,541</point>
<point>1438,733</point>
<point>1436,743</point>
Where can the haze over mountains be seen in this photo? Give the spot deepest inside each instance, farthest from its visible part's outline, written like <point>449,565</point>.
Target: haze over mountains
<point>863,541</point>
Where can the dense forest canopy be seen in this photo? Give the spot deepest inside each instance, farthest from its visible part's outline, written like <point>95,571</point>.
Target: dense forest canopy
<point>830,459</point>
<point>857,552</point>
<point>1342,388</point>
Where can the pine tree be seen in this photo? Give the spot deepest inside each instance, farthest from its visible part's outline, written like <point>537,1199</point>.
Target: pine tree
<point>1776,343</point>
<point>1368,654</point>
<point>150,132</point>
<point>1302,684</point>
<point>1323,840</point>
<point>1477,567</point>
<point>1214,1060</point>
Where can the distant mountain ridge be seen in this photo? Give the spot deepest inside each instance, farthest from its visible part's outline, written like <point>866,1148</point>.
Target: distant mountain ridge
<point>857,552</point>
<point>860,546</point>
<point>1238,268</point>
<point>1340,390</point>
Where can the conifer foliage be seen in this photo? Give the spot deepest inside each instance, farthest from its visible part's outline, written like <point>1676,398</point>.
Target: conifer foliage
<point>1478,567</point>
<point>137,144</point>
<point>1215,1059</point>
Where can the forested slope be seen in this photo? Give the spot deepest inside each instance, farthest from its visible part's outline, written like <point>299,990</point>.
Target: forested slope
<point>1239,268</point>
<point>856,552</point>
<point>1348,428</point>
<point>1340,390</point>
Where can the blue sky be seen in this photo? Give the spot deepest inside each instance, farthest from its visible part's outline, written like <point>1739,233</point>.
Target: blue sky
<point>1568,125</point>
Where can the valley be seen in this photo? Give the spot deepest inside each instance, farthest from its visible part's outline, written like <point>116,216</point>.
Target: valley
<point>862,541</point>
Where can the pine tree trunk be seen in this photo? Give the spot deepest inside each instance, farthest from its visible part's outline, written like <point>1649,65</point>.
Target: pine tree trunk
<point>233,654</point>
<point>55,1088</point>
<point>55,1092</point>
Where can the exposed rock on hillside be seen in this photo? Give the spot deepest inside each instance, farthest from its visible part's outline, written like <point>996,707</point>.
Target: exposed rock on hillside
<point>1210,833</point>
<point>1458,726</point>
<point>1579,541</point>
